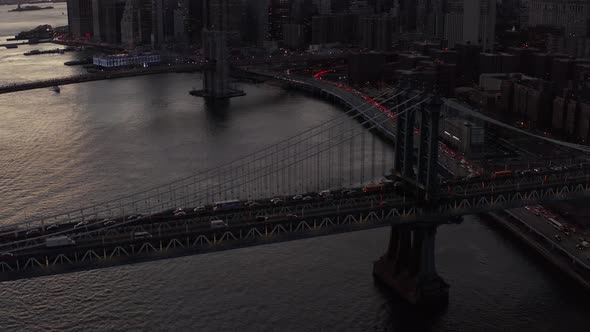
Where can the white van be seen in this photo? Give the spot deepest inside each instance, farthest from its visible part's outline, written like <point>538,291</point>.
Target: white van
<point>216,224</point>
<point>141,235</point>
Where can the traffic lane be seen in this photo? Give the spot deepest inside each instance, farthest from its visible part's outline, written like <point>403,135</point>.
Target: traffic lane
<point>168,215</point>
<point>540,223</point>
<point>262,204</point>
<point>181,230</point>
<point>192,226</point>
<point>454,165</point>
<point>466,192</point>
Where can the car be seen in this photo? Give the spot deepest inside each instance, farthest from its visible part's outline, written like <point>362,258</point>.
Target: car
<point>34,231</point>
<point>528,208</point>
<point>298,197</point>
<point>200,209</point>
<point>254,204</point>
<point>261,218</point>
<point>557,237</point>
<point>52,227</point>
<point>278,201</point>
<point>6,254</point>
<point>180,214</point>
<point>81,224</point>
<point>275,200</point>
<point>307,198</point>
<point>324,193</point>
<point>109,223</point>
<point>178,210</point>
<point>349,192</point>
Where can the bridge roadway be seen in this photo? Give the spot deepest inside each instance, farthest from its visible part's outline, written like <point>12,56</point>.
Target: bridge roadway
<point>452,190</point>
<point>171,236</point>
<point>347,97</point>
<point>7,45</point>
<point>185,68</point>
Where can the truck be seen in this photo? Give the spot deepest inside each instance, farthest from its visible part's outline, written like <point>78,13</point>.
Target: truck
<point>373,188</point>
<point>556,224</point>
<point>59,241</point>
<point>227,205</point>
<point>500,174</point>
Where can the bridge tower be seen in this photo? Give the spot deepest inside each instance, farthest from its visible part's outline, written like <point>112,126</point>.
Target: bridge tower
<point>408,267</point>
<point>418,170</point>
<point>216,81</point>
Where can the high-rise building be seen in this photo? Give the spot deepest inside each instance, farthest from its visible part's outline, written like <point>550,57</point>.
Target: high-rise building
<point>255,27</point>
<point>106,18</point>
<point>194,20</point>
<point>471,21</point>
<point>336,28</point>
<point>136,24</point>
<point>302,12</point>
<point>80,18</point>
<point>225,15</point>
<point>324,7</point>
<point>430,17</point>
<point>453,22</point>
<point>573,15</point>
<point>376,33</point>
<point>278,15</point>
<point>407,14</point>
<point>479,23</point>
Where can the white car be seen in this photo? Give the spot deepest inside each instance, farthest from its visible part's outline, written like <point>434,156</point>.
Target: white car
<point>81,224</point>
<point>200,209</point>
<point>297,197</point>
<point>109,223</point>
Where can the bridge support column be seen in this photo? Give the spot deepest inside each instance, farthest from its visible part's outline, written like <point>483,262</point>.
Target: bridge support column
<point>216,81</point>
<point>408,267</point>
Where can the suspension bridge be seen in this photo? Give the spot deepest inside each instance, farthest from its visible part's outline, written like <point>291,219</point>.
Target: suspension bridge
<point>334,177</point>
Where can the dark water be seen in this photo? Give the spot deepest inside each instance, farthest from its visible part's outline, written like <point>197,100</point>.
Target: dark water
<point>317,284</point>
<point>100,139</point>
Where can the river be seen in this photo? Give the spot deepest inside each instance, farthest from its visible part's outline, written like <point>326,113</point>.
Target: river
<point>100,139</point>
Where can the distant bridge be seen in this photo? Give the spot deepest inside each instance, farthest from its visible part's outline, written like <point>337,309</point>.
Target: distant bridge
<point>105,75</point>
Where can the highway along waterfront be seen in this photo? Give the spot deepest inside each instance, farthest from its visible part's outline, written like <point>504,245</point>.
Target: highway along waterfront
<point>101,139</point>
